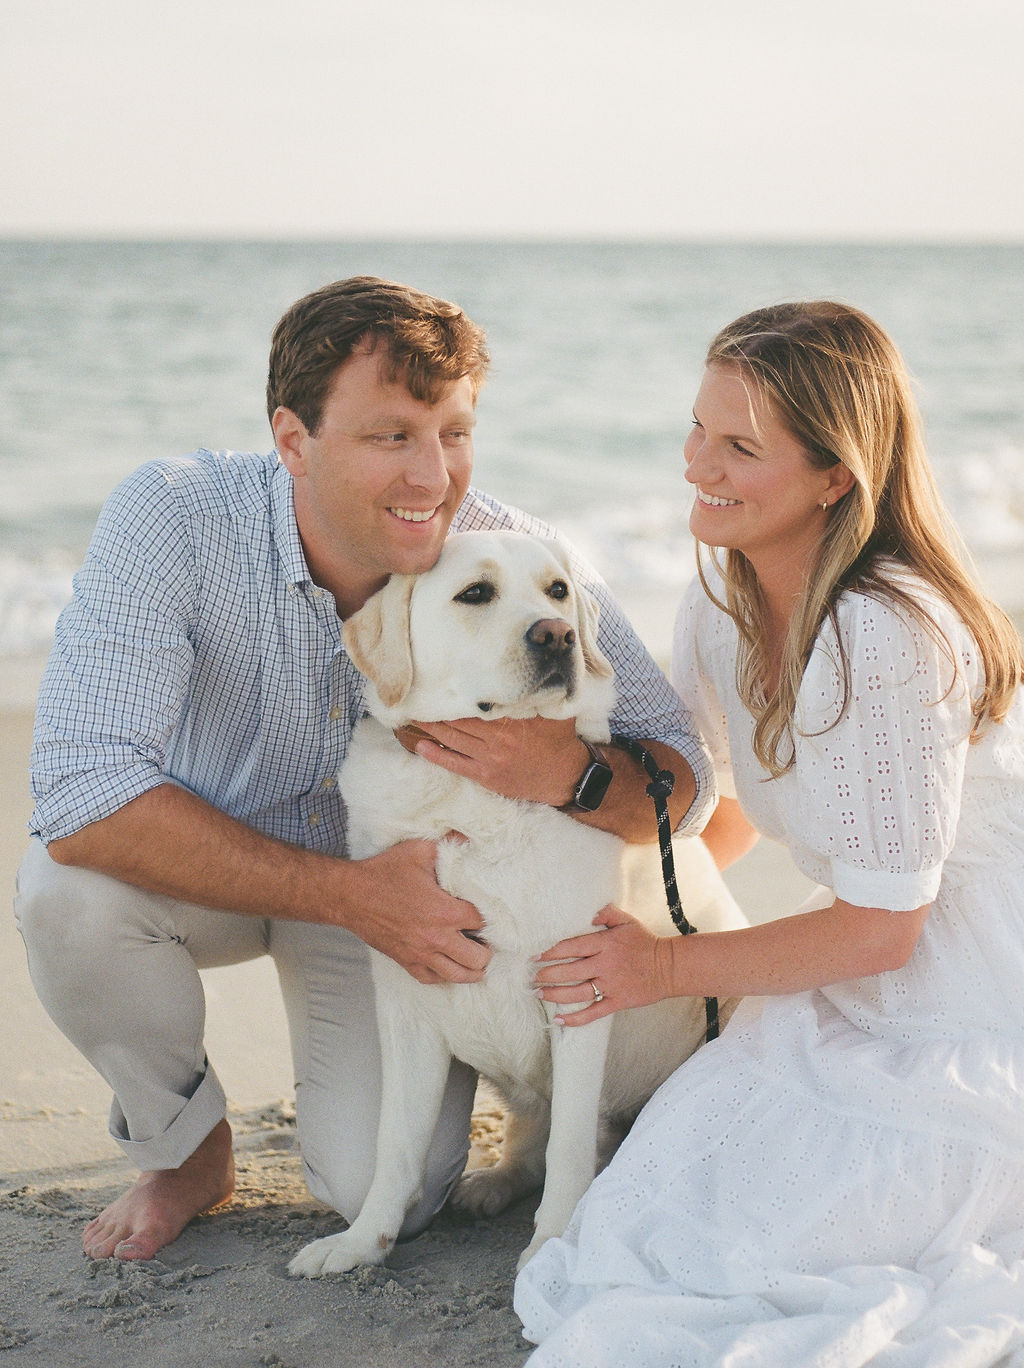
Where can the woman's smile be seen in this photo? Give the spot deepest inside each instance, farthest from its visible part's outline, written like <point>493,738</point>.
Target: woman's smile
<point>715,500</point>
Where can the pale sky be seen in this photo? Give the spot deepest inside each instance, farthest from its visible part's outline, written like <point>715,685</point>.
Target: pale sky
<point>535,118</point>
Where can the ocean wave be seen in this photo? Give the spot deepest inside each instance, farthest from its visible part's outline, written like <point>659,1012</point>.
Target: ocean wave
<point>643,549</point>
<point>32,593</point>
<point>985,493</point>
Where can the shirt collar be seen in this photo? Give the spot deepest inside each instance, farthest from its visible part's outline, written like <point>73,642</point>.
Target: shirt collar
<point>286,531</point>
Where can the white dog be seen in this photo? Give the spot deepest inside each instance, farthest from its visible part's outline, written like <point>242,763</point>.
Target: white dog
<point>497,629</point>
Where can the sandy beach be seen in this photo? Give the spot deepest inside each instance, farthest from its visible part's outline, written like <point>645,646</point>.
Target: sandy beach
<point>221,1291</point>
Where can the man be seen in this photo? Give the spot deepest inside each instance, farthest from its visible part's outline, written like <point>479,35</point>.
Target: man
<point>195,710</point>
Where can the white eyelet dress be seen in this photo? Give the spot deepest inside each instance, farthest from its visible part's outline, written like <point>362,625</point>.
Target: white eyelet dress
<point>838,1180</point>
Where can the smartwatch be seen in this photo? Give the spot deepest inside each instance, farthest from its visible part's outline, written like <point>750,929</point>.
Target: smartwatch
<point>593,782</point>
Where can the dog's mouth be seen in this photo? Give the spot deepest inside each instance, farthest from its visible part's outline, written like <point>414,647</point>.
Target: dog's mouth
<point>561,680</point>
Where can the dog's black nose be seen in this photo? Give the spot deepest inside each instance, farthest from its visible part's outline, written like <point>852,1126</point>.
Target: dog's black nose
<point>551,636</point>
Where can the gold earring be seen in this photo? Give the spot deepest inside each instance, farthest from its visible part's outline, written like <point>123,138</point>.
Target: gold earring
<point>824,506</point>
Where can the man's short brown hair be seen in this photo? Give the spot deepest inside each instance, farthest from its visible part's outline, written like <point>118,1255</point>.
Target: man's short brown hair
<point>427,344</point>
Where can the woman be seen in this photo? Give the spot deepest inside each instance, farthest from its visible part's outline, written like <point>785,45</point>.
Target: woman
<point>840,1178</point>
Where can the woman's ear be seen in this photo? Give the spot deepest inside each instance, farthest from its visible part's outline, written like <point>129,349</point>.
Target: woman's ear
<point>840,482</point>
<point>289,434</point>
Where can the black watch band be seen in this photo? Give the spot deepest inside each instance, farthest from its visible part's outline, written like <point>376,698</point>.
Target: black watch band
<point>593,783</point>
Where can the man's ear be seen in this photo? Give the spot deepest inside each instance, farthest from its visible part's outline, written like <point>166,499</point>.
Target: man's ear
<point>289,434</point>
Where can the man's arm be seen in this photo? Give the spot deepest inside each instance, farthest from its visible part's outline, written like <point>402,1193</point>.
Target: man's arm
<point>170,841</point>
<point>540,761</point>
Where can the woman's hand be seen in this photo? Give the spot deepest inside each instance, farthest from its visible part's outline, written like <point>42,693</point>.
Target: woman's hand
<point>631,967</point>
<point>626,963</point>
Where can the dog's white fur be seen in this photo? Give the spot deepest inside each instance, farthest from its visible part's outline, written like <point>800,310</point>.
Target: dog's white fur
<point>536,875</point>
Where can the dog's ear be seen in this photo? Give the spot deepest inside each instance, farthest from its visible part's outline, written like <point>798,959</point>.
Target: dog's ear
<point>589,613</point>
<point>593,657</point>
<point>377,639</point>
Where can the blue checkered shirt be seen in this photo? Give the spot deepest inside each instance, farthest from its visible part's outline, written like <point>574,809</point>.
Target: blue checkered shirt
<point>198,650</point>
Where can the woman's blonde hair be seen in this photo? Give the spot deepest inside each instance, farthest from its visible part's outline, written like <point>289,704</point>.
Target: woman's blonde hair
<point>837,382</point>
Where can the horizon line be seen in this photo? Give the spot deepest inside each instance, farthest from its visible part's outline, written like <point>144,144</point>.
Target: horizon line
<point>256,237</point>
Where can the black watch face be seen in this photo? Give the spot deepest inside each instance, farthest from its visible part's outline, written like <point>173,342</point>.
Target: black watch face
<point>593,786</point>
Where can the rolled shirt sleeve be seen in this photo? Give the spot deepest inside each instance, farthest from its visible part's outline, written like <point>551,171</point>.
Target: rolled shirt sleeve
<point>118,675</point>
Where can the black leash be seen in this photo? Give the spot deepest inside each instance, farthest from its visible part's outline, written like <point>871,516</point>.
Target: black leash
<point>659,789</point>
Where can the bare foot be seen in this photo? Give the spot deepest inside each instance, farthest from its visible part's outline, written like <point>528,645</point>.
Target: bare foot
<point>161,1203</point>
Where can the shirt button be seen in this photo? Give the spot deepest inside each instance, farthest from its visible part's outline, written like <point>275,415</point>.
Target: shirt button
<point>329,782</point>
<point>314,819</point>
<point>334,714</point>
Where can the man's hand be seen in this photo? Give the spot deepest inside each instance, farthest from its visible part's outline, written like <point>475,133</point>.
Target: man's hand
<point>392,901</point>
<point>541,761</point>
<point>536,759</point>
<point>406,915</point>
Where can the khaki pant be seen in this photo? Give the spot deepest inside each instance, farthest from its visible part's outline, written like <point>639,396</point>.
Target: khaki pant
<point>117,970</point>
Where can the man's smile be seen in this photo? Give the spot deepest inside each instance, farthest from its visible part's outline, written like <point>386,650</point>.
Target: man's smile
<point>415,515</point>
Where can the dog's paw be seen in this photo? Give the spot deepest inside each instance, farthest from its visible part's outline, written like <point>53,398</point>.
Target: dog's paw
<point>531,1249</point>
<point>486,1191</point>
<point>334,1254</point>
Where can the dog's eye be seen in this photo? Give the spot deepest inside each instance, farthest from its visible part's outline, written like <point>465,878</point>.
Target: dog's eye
<point>481,592</point>
<point>558,589</point>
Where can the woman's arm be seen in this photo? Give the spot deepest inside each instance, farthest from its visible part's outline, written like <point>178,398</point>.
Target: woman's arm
<point>633,967</point>
<point>728,834</point>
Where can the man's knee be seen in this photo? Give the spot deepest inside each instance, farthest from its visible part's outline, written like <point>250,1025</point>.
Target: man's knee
<point>344,1187</point>
<point>67,922</point>
<point>51,905</point>
<point>338,1140</point>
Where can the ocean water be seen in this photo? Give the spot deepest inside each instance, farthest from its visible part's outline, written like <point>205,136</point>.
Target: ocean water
<point>112,354</point>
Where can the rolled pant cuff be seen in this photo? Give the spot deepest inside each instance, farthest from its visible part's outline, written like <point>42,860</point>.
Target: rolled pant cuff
<point>197,1118</point>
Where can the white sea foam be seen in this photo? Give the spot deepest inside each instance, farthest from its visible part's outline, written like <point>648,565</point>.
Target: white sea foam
<point>32,593</point>
<point>986,496</point>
